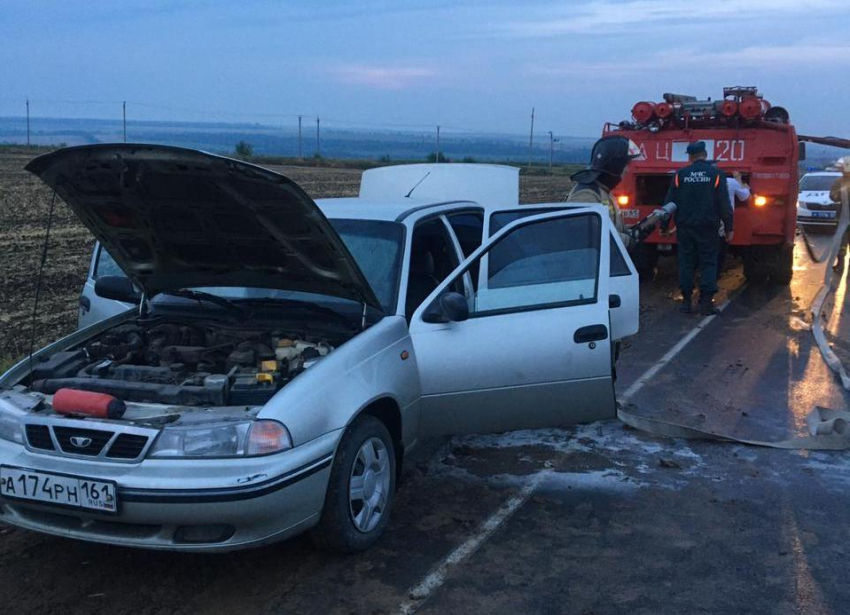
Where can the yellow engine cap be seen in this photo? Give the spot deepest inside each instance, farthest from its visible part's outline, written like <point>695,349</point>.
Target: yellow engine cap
<point>268,366</point>
<point>267,378</point>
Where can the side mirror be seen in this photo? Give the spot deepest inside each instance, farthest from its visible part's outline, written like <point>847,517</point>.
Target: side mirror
<point>614,301</point>
<point>448,307</point>
<point>118,288</point>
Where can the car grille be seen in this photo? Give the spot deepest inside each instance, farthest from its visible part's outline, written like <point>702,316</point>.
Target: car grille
<point>82,441</point>
<point>127,446</point>
<point>819,206</point>
<point>39,437</point>
<point>119,444</point>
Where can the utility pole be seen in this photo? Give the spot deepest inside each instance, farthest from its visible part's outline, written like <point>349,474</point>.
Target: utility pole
<point>28,122</point>
<point>299,138</point>
<point>318,149</point>
<point>124,108</point>
<point>531,137</point>
<point>438,144</point>
<point>552,141</point>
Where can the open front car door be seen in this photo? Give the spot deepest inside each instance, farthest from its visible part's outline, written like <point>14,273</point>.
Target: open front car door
<point>532,346</point>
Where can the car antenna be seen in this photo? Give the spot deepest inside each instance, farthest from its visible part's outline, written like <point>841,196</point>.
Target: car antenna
<point>407,196</point>
<point>40,276</point>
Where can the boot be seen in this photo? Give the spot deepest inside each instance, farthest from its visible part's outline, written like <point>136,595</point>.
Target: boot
<point>686,308</point>
<point>706,306</point>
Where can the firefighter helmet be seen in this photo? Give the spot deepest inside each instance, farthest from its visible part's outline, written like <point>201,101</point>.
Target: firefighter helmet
<point>608,160</point>
<point>611,154</point>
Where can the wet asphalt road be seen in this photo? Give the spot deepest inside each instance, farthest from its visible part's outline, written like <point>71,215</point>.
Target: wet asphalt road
<point>615,521</point>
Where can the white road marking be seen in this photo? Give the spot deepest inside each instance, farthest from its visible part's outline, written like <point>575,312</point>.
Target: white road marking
<point>438,575</point>
<point>671,354</point>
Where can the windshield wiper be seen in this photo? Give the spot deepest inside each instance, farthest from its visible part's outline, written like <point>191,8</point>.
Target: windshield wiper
<point>199,295</point>
<point>309,305</point>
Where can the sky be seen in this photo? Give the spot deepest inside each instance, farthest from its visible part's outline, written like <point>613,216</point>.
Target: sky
<point>467,65</point>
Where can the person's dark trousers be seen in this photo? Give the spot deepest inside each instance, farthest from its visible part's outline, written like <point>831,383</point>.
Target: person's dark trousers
<point>721,254</point>
<point>697,246</point>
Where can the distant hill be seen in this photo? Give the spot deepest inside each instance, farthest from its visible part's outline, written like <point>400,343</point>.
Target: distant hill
<point>275,141</point>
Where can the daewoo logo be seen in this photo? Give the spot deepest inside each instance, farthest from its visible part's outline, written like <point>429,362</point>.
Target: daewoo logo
<point>80,441</point>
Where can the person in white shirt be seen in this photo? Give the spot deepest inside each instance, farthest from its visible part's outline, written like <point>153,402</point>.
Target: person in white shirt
<point>737,190</point>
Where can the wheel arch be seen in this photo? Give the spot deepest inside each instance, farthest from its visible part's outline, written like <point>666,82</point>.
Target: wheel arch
<point>387,410</point>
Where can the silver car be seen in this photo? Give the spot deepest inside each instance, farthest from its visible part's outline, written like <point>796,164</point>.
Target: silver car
<point>282,357</point>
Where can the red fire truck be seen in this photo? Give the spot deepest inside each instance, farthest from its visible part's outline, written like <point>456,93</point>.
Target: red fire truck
<point>742,132</point>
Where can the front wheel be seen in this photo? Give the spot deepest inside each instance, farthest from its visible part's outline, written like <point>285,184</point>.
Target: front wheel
<point>360,490</point>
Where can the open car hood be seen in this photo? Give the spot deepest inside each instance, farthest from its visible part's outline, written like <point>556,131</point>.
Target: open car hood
<point>178,218</point>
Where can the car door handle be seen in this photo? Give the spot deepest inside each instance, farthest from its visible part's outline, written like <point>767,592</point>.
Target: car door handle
<point>85,303</point>
<point>592,333</point>
<point>614,301</point>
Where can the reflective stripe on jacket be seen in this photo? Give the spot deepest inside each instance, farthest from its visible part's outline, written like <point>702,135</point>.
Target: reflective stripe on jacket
<point>597,193</point>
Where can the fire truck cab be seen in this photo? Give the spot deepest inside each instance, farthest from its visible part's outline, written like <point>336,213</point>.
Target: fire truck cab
<point>742,132</point>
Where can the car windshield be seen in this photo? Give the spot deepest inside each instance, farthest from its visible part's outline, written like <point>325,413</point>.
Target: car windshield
<point>817,182</point>
<point>375,245</point>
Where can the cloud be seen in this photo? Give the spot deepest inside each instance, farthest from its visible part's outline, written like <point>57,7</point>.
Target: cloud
<point>383,77</point>
<point>603,16</point>
<point>765,58</point>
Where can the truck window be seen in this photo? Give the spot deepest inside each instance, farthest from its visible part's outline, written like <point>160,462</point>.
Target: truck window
<point>652,189</point>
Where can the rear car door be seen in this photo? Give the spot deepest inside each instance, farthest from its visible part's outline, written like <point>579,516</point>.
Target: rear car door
<point>536,348</point>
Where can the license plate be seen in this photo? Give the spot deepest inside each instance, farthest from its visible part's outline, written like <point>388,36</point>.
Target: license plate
<point>58,489</point>
<point>631,213</point>
<point>823,214</point>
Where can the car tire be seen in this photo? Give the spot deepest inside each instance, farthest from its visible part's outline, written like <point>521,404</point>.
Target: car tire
<point>366,452</point>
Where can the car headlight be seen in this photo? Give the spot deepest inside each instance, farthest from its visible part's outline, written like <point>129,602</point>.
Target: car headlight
<point>10,423</point>
<point>226,439</point>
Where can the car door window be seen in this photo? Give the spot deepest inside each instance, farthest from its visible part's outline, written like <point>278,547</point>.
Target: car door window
<point>106,265</point>
<point>432,258</point>
<point>498,221</point>
<point>619,267</point>
<point>550,263</point>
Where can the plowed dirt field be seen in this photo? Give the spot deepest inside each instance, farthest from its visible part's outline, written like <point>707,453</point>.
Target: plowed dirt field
<point>24,203</point>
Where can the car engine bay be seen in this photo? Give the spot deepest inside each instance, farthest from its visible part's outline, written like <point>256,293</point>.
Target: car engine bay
<point>171,362</point>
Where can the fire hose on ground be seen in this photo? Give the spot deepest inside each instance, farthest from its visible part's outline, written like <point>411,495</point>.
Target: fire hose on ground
<point>827,287</point>
<point>828,429</point>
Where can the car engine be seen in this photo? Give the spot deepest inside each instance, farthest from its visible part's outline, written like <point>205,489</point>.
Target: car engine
<point>182,364</point>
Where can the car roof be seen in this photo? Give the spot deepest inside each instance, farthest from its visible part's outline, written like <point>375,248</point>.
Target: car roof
<point>380,209</point>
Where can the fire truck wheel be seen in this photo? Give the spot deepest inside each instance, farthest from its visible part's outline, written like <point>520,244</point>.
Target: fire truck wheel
<point>773,262</point>
<point>782,265</point>
<point>755,267</point>
<point>645,257</point>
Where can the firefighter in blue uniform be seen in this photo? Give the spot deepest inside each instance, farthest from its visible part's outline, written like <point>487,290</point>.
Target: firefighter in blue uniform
<point>702,202</point>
